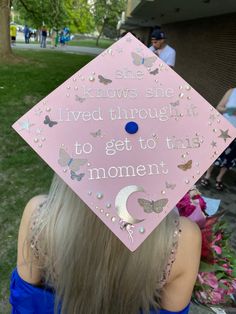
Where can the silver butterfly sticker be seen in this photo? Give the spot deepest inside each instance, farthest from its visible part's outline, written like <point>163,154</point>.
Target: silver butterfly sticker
<point>170,186</point>
<point>98,133</point>
<point>49,122</point>
<point>174,104</point>
<point>104,80</point>
<point>154,72</point>
<point>139,60</point>
<point>65,160</point>
<point>80,99</point>
<point>153,206</point>
<point>75,176</point>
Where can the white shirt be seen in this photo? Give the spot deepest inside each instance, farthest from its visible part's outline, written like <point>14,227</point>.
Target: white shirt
<point>231,104</point>
<point>166,54</point>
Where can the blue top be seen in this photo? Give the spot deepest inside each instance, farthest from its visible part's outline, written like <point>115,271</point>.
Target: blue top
<point>26,298</point>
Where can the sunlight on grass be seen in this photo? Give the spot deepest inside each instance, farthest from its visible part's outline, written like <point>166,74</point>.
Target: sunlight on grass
<point>103,43</point>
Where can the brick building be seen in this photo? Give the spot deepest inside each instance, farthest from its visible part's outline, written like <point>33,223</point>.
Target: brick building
<point>203,32</point>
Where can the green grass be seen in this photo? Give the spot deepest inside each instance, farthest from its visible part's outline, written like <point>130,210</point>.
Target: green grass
<point>103,43</point>
<point>23,174</point>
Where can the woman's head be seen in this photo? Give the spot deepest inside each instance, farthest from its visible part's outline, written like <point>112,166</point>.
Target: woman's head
<point>89,267</point>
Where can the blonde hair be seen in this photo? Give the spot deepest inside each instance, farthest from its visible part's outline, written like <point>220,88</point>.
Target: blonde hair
<point>90,269</point>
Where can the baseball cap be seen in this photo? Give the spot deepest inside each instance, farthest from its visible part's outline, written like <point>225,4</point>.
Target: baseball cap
<point>157,34</point>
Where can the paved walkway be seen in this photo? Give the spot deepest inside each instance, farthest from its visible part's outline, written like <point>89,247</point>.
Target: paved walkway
<point>66,49</point>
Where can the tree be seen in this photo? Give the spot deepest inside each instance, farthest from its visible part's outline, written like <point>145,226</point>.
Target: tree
<point>5,46</point>
<point>57,13</point>
<point>106,14</point>
<point>79,16</point>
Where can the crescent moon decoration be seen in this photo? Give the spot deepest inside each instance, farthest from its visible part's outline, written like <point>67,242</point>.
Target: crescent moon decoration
<point>121,203</point>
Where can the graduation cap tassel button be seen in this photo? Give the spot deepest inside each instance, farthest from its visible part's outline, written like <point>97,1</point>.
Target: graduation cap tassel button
<point>131,127</point>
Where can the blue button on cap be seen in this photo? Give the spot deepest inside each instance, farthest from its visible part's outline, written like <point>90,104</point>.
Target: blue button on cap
<point>131,127</point>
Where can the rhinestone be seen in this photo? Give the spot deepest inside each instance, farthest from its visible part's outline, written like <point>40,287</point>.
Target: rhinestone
<point>197,163</point>
<point>218,120</point>
<point>38,131</point>
<point>214,130</point>
<point>187,87</point>
<point>181,115</point>
<point>109,51</point>
<point>183,156</point>
<point>102,210</point>
<point>209,123</point>
<point>88,164</point>
<point>74,79</point>
<point>188,97</point>
<point>89,193</point>
<point>36,140</point>
<point>43,139</point>
<point>99,196</point>
<point>141,229</point>
<point>76,87</point>
<point>163,192</point>
<point>67,95</point>
<point>40,145</point>
<point>181,95</point>
<point>113,219</point>
<point>198,172</point>
<point>68,87</point>
<point>91,78</point>
<point>48,109</point>
<point>44,102</point>
<point>187,181</point>
<point>107,214</point>
<point>64,170</point>
<point>180,87</point>
<point>211,109</point>
<point>108,205</point>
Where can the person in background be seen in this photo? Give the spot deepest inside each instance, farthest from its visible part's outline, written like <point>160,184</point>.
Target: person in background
<point>27,34</point>
<point>66,35</point>
<point>161,48</point>
<point>13,32</point>
<point>62,38</point>
<point>227,160</point>
<point>43,37</point>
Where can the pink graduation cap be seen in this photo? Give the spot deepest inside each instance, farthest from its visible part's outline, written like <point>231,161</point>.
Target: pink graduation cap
<point>128,135</point>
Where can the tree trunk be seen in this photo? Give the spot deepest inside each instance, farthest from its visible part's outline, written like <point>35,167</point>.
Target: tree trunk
<point>100,33</point>
<point>5,46</point>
